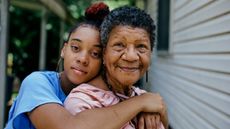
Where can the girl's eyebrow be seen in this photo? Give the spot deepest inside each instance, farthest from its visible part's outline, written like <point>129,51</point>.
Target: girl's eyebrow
<point>78,40</point>
<point>98,45</point>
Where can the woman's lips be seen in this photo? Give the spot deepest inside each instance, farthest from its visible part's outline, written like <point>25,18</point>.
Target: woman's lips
<point>129,69</point>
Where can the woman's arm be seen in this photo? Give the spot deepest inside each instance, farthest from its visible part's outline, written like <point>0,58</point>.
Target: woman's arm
<point>56,117</point>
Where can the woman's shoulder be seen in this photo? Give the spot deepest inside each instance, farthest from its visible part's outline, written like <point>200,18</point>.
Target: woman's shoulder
<point>96,94</point>
<point>91,89</point>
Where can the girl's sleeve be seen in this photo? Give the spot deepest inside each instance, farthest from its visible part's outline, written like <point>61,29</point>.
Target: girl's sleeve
<point>35,90</point>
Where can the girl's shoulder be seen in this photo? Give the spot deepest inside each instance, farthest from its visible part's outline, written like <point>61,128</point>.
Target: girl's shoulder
<point>41,77</point>
<point>43,81</point>
<point>42,74</point>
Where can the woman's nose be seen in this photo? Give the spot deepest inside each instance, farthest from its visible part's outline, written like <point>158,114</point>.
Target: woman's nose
<point>83,58</point>
<point>130,54</point>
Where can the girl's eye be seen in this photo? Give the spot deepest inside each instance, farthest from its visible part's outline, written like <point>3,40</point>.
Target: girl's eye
<point>96,54</point>
<point>75,48</point>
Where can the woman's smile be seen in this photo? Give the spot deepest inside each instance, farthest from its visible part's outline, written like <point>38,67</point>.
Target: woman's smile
<point>129,69</point>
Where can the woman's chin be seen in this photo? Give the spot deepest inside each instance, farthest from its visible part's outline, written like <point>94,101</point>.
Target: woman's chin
<point>128,82</point>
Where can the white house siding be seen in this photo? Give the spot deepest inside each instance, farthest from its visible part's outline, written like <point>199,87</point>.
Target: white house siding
<point>194,78</point>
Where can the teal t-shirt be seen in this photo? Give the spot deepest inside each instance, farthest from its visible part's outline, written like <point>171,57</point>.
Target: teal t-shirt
<point>36,89</point>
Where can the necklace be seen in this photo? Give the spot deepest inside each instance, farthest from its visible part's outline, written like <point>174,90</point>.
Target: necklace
<point>132,122</point>
<point>107,83</point>
<point>119,96</point>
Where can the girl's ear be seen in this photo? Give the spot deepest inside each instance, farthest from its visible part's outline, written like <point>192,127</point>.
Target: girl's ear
<point>63,50</point>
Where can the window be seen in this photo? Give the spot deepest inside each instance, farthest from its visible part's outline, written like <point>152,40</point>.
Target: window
<point>163,25</point>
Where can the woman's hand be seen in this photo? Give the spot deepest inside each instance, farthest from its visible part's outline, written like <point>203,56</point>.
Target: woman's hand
<point>153,103</point>
<point>149,121</point>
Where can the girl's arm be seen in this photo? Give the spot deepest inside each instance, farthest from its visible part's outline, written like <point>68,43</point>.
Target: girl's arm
<point>55,116</point>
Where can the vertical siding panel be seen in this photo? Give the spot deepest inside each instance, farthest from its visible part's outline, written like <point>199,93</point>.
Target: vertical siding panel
<point>190,7</point>
<point>194,78</point>
<point>216,44</point>
<point>198,15</point>
<point>179,4</point>
<point>207,29</point>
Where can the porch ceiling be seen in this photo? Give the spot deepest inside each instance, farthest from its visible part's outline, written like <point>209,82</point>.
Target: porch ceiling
<point>55,6</point>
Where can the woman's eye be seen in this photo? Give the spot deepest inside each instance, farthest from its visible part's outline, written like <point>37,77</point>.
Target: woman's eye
<point>75,48</point>
<point>142,48</point>
<point>118,46</point>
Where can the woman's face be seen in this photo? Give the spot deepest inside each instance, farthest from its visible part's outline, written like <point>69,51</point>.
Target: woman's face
<point>82,55</point>
<point>127,55</point>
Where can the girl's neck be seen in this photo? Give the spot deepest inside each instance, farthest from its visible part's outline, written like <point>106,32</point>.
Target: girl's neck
<point>66,85</point>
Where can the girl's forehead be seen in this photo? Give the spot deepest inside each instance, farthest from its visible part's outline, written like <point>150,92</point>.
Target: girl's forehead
<point>85,35</point>
<point>85,31</point>
<point>85,27</point>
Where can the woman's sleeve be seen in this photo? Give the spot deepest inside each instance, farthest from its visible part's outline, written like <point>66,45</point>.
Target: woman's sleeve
<point>77,102</point>
<point>83,97</point>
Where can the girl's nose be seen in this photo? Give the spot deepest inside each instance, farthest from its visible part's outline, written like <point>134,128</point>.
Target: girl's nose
<point>83,58</point>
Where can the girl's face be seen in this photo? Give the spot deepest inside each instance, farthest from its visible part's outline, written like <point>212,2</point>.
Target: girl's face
<point>127,55</point>
<point>82,55</point>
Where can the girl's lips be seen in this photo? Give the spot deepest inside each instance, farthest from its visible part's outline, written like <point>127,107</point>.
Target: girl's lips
<point>79,71</point>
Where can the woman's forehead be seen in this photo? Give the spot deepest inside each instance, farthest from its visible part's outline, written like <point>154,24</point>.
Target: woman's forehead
<point>129,31</point>
<point>127,28</point>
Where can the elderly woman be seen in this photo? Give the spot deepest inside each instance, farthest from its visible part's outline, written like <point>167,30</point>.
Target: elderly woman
<point>127,35</point>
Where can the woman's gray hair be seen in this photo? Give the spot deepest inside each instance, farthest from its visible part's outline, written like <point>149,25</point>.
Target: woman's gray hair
<point>130,16</point>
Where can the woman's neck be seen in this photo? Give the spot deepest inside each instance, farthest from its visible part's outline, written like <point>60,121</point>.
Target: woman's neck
<point>117,87</point>
<point>99,83</point>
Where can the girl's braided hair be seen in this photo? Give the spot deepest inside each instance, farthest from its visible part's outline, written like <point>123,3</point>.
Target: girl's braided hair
<point>94,15</point>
